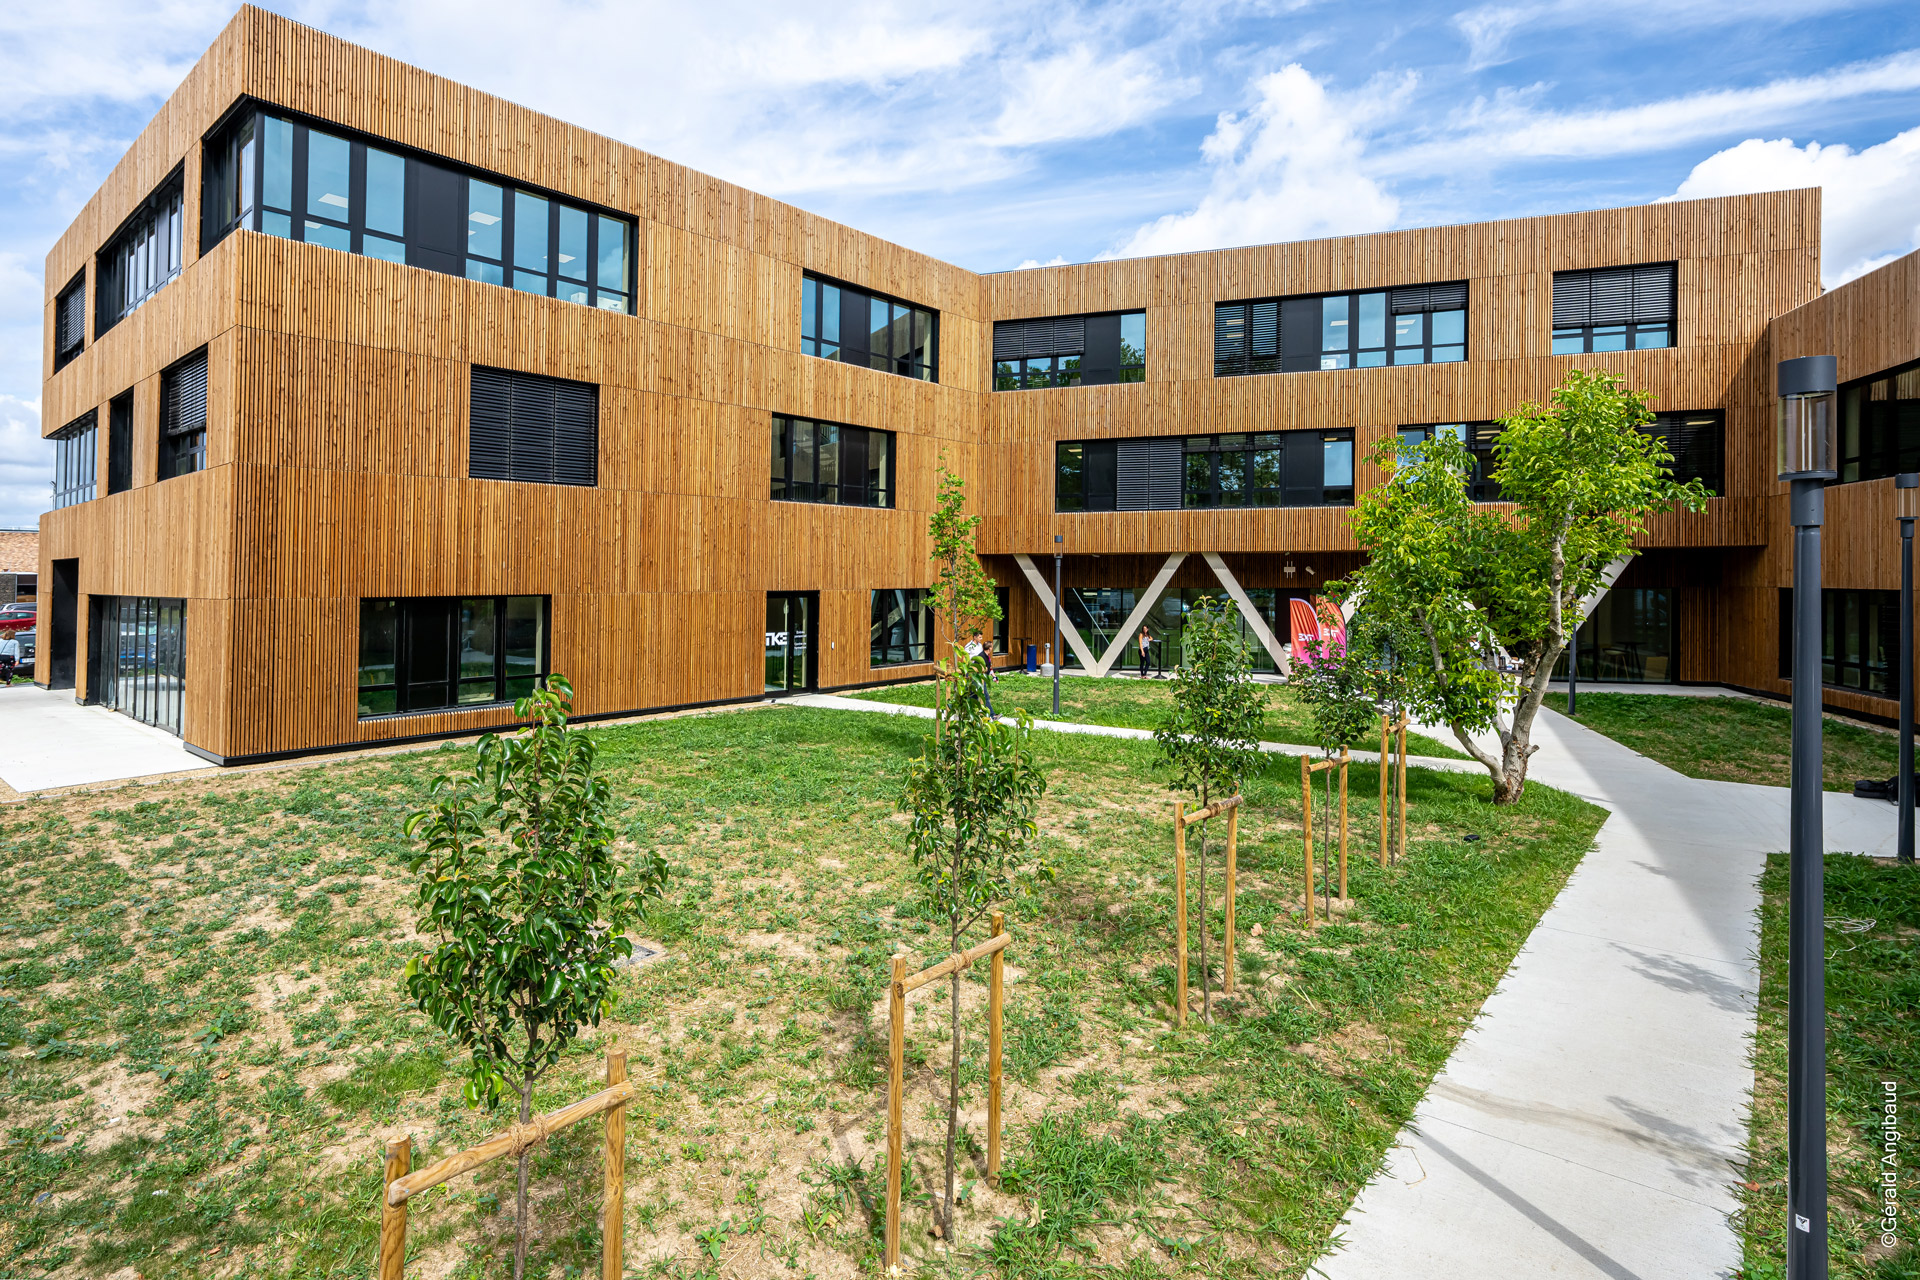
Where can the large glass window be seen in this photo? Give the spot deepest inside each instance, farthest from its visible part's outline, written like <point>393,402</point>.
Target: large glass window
<point>1070,351</point>
<point>139,657</point>
<point>1419,324</point>
<point>183,417</point>
<point>827,462</point>
<point>1269,469</point>
<point>858,326</point>
<point>1084,473</point>
<point>1859,640</point>
<point>902,629</point>
<point>1880,425</point>
<point>76,453</point>
<point>142,256</point>
<point>1614,309</point>
<point>1627,638</point>
<point>443,653</point>
<point>1477,436</point>
<point>322,186</point>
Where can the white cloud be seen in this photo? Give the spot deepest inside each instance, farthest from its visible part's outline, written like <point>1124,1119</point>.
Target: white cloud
<point>1055,261</point>
<point>26,464</point>
<point>1870,199</point>
<point>1489,28</point>
<point>1291,167</point>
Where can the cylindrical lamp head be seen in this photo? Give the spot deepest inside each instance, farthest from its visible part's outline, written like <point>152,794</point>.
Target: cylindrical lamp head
<point>1808,422</point>
<point>1906,495</point>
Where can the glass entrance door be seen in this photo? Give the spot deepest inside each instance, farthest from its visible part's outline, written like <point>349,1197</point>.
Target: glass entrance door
<point>790,659</point>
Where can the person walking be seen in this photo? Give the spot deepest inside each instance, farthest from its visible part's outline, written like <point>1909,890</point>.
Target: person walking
<point>9,656</point>
<point>977,648</point>
<point>1146,638</point>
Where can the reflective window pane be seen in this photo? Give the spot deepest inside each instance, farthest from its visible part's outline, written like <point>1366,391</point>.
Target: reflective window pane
<point>1610,338</point>
<point>323,233</point>
<point>1333,362</point>
<point>1409,331</point>
<point>1409,355</point>
<point>383,249</point>
<point>525,644</point>
<point>1568,342</point>
<point>829,317</point>
<point>327,165</point>
<point>529,232</point>
<point>1449,326</point>
<point>1370,360</point>
<point>277,224</point>
<point>613,254</point>
<point>1333,327</point>
<point>527,282</point>
<point>377,641</point>
<point>476,639</point>
<point>1337,464</point>
<point>613,302</point>
<point>1448,355</point>
<point>386,192</point>
<point>1648,337</point>
<point>483,219</point>
<point>573,244</point>
<point>276,164</point>
<point>1133,338</point>
<point>485,272</point>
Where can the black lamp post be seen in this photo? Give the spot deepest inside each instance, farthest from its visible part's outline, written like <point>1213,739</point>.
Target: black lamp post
<point>1806,458</point>
<point>1573,666</point>
<point>1057,541</point>
<point>1906,496</point>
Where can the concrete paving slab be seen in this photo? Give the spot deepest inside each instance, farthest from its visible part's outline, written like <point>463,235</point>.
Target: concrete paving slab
<point>48,740</point>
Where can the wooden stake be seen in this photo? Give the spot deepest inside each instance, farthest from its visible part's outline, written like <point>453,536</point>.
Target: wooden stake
<point>1343,822</point>
<point>995,1001</point>
<point>1306,826</point>
<point>1233,842</point>
<point>393,1217</point>
<point>613,1213</point>
<point>1400,781</point>
<point>1386,767</point>
<point>897,1044</point>
<point>1179,914</point>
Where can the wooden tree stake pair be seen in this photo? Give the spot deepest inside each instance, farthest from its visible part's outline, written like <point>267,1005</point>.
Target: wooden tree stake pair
<point>1400,772</point>
<point>402,1185</point>
<point>897,990</point>
<point>1307,770</point>
<point>1181,821</point>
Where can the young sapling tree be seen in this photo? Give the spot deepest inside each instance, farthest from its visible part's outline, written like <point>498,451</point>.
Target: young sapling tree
<point>528,906</point>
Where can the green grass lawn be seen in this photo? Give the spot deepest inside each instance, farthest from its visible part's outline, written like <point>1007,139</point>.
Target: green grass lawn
<point>1731,739</point>
<point>1136,704</point>
<point>1873,1036</point>
<point>208,1040</point>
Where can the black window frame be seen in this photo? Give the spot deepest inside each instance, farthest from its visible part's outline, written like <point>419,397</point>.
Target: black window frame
<point>76,461</point>
<point>531,428</point>
<point>1209,461</point>
<point>1868,609</point>
<point>1895,446</point>
<point>1652,303</point>
<point>1285,334</point>
<point>70,321</point>
<point>183,416</point>
<point>915,642</point>
<point>1478,437</point>
<point>1003,596</point>
<point>225,152</point>
<point>846,348</point>
<point>125,277</point>
<point>120,442</point>
<point>785,457</point>
<point>415,619</point>
<point>1089,349</point>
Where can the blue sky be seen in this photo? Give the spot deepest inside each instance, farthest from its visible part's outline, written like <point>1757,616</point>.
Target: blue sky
<point>1001,135</point>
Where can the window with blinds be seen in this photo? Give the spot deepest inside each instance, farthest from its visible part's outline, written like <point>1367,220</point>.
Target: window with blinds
<point>75,460</point>
<point>70,321</point>
<point>534,429</point>
<point>183,416</point>
<point>1417,324</point>
<point>1697,442</point>
<point>1614,308</point>
<point>142,257</point>
<point>1070,351</point>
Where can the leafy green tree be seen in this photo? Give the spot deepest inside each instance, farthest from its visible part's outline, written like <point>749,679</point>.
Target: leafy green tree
<point>527,904</point>
<point>1492,592</point>
<point>963,592</point>
<point>974,790</point>
<point>1211,736</point>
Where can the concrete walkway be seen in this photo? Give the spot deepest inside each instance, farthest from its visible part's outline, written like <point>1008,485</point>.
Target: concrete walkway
<point>1591,1120</point>
<point>49,740</point>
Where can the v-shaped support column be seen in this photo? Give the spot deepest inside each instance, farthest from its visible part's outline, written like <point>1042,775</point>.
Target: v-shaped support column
<point>1067,631</point>
<point>1259,624</point>
<point>1140,609</point>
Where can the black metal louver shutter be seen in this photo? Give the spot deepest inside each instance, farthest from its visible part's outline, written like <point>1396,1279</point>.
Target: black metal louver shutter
<point>1009,339</point>
<point>1264,326</point>
<point>1451,296</point>
<point>1611,299</point>
<point>184,397</point>
<point>491,419</point>
<point>576,434</point>
<point>1572,291</point>
<point>530,440</point>
<point>1132,475</point>
<point>70,321</point>
<point>1653,289</point>
<point>1698,446</point>
<point>1229,339</point>
<point>1166,471</point>
<point>1408,301</point>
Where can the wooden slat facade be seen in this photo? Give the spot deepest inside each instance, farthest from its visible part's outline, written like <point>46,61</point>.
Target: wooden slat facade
<point>337,414</point>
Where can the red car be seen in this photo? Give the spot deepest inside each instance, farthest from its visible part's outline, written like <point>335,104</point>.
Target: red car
<point>16,617</point>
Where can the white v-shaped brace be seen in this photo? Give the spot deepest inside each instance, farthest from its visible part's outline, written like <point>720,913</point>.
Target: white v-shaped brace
<point>1067,631</point>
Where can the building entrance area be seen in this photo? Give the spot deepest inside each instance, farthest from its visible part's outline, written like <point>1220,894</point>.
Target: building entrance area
<point>137,660</point>
<point>1627,638</point>
<point>791,618</point>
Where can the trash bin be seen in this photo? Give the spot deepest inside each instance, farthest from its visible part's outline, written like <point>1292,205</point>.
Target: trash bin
<point>1033,658</point>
